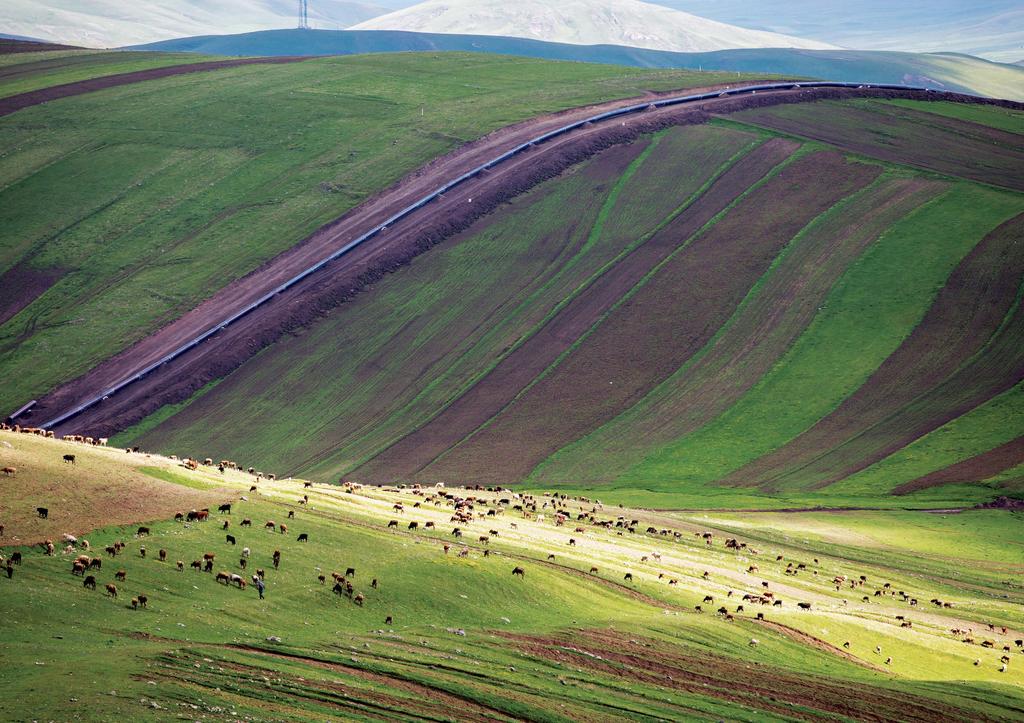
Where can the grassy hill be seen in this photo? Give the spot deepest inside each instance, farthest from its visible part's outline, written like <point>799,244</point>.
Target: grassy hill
<point>466,638</point>
<point>122,209</point>
<point>27,71</point>
<point>949,71</point>
<point>804,304</point>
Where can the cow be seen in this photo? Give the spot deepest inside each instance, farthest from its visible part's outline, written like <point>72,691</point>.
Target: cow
<point>224,577</point>
<point>628,577</point>
<point>270,525</point>
<point>43,512</point>
<point>414,525</point>
<point>338,588</point>
<point>230,539</point>
<point>181,566</point>
<point>593,571</point>
<point>111,589</point>
<point>283,528</point>
<point>121,575</point>
<point>9,471</point>
<point>804,606</point>
<point>518,571</point>
<point>162,555</point>
<point>226,525</point>
<point>69,458</point>
<point>89,582</point>
<point>142,532</point>
<point>197,565</point>
<point>225,508</point>
<point>16,559</point>
<point>393,523</point>
<point>358,599</point>
<point>246,523</point>
<point>303,537</point>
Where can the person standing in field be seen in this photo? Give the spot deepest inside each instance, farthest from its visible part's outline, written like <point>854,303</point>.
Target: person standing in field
<point>261,586</point>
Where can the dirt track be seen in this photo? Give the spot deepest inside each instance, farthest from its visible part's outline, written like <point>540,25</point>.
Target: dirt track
<point>344,277</point>
<point>15,103</point>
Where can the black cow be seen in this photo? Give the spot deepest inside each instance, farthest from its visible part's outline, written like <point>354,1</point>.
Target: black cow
<point>303,537</point>
<point>43,512</point>
<point>230,539</point>
<point>225,508</point>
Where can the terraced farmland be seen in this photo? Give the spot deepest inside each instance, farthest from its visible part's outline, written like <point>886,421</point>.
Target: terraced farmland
<point>740,312</point>
<point>443,629</point>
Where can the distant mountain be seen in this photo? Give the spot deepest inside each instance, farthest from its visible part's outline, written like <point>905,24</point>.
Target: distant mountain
<point>945,71</point>
<point>992,29</point>
<point>583,22</point>
<point>112,23</point>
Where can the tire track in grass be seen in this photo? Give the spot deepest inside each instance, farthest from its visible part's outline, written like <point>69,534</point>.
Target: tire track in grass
<point>966,316</point>
<point>667,318</point>
<point>413,452</point>
<point>772,317</point>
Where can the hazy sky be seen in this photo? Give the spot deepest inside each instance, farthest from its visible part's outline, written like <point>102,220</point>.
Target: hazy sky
<point>989,28</point>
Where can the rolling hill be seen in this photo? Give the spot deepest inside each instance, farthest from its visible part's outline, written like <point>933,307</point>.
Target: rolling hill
<point>789,305</point>
<point>106,234</point>
<point>934,70</point>
<point>582,22</point>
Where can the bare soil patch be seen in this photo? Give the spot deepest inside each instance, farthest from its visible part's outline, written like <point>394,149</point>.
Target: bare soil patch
<point>15,103</point>
<point>652,662</point>
<point>97,490</point>
<point>979,467</point>
<point>21,285</point>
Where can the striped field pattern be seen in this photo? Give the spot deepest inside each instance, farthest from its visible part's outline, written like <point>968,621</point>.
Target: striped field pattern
<point>806,302</point>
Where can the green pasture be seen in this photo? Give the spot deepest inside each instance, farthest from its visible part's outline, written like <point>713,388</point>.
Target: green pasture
<point>201,648</point>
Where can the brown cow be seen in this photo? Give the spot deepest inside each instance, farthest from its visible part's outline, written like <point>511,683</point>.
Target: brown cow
<point>111,589</point>
<point>121,575</point>
<point>10,471</point>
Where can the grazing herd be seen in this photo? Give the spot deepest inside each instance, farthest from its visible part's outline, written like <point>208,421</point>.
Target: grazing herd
<point>468,509</point>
